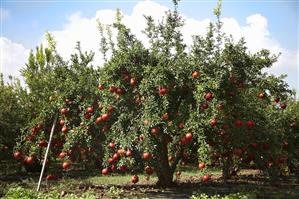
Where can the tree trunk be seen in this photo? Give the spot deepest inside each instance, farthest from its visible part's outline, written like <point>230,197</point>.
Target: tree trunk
<point>164,170</point>
<point>98,137</point>
<point>273,173</point>
<point>165,177</point>
<point>225,169</point>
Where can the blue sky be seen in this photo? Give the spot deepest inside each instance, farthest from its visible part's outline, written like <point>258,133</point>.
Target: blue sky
<point>266,23</point>
<point>33,18</point>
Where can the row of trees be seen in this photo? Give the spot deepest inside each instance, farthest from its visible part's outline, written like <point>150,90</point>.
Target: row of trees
<point>154,107</point>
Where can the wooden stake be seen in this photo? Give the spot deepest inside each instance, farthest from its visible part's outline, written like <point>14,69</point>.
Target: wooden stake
<point>46,155</point>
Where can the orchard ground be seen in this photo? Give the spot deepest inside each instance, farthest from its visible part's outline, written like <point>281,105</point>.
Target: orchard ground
<point>249,182</point>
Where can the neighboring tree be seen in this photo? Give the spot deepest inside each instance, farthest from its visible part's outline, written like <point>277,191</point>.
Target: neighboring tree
<point>67,88</point>
<point>14,112</point>
<point>236,97</point>
<point>282,157</point>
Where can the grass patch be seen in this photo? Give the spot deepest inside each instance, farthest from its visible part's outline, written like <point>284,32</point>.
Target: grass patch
<point>74,184</point>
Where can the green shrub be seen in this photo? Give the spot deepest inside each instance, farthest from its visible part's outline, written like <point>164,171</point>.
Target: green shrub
<point>19,192</point>
<point>50,195</point>
<point>22,193</point>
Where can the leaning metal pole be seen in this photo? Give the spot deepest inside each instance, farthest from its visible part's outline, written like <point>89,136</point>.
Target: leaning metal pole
<point>46,155</point>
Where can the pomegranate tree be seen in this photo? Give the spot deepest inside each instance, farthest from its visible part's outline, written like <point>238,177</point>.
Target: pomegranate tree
<point>69,90</point>
<point>214,98</point>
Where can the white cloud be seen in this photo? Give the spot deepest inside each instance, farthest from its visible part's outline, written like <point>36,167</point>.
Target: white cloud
<point>257,37</point>
<point>136,21</point>
<point>13,57</point>
<point>255,31</point>
<point>288,63</point>
<point>78,29</point>
<point>194,27</point>
<point>4,14</point>
<point>85,30</point>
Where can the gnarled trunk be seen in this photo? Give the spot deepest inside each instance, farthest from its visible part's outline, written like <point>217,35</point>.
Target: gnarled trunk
<point>164,170</point>
<point>165,177</point>
<point>226,164</point>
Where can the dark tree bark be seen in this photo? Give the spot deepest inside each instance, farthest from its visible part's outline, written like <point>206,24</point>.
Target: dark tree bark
<point>164,170</point>
<point>226,164</point>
